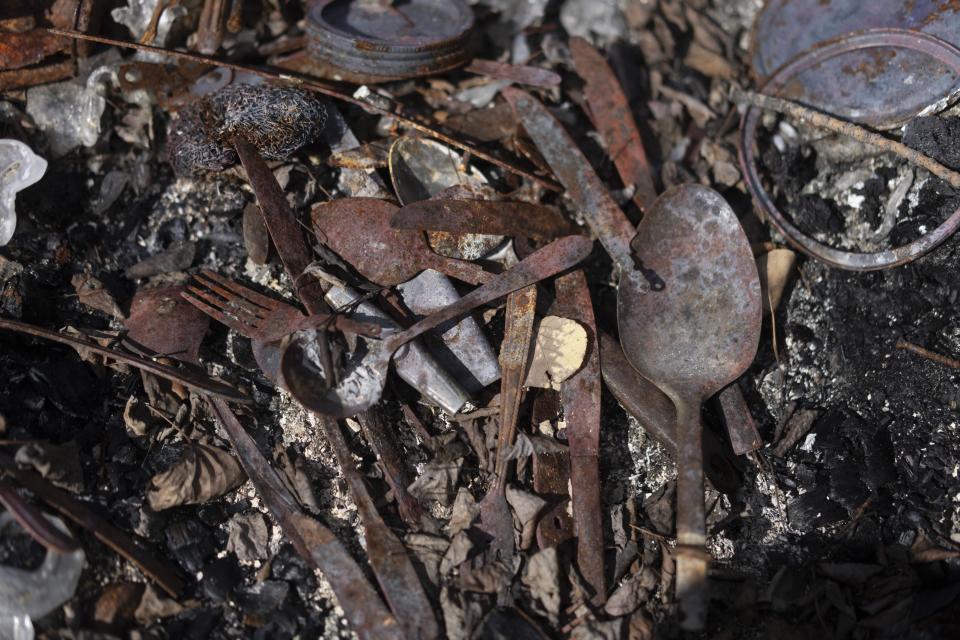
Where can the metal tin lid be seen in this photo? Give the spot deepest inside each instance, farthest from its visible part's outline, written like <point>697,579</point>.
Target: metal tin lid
<point>879,87</point>
<point>379,40</point>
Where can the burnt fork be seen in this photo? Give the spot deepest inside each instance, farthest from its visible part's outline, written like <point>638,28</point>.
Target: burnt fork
<point>257,316</point>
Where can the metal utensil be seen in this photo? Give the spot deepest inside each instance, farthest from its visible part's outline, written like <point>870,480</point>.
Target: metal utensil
<point>691,337</point>
<point>366,374</point>
<point>260,317</point>
<point>496,518</point>
<point>358,229</point>
<point>656,414</point>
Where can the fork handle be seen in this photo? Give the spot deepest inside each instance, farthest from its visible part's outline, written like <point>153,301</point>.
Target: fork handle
<point>557,256</point>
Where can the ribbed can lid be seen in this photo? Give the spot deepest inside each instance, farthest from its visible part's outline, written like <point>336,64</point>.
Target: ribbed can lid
<point>380,40</point>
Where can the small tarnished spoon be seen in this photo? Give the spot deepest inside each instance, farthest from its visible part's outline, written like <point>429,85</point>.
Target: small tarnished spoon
<point>358,229</point>
<point>362,383</point>
<point>692,337</point>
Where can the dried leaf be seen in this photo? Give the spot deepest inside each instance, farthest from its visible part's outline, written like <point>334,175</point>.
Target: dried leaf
<point>117,604</point>
<point>203,474</point>
<point>153,606</point>
<point>526,507</point>
<point>775,268</point>
<point>60,464</point>
<point>93,294</point>
<point>436,482</point>
<point>542,578</point>
<point>457,553</point>
<point>558,352</point>
<point>248,536</point>
<point>429,550</point>
<point>464,511</point>
<point>627,597</point>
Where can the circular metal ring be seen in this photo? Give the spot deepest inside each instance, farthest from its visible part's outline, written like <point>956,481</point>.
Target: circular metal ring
<point>869,39</point>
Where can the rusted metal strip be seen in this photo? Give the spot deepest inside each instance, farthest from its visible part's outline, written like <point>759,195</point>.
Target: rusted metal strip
<point>613,119</point>
<point>288,240</point>
<point>386,449</point>
<point>580,394</point>
<point>389,558</point>
<point>521,74</point>
<point>362,606</point>
<point>741,428</point>
<point>33,522</point>
<point>199,383</point>
<point>496,517</point>
<point>606,220</point>
<point>551,478</point>
<point>484,216</point>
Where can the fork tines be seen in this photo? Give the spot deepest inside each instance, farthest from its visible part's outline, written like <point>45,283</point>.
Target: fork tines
<point>238,307</point>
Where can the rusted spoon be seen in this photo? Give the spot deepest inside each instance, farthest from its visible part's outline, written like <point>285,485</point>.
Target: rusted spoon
<point>691,338</point>
<point>358,229</point>
<point>362,383</point>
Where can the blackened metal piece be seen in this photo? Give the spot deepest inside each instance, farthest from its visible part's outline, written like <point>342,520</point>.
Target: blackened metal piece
<point>375,42</point>
<point>78,512</point>
<point>580,394</point>
<point>359,231</point>
<point>187,378</point>
<point>364,381</point>
<point>692,337</point>
<point>613,119</point>
<point>492,217</point>
<point>870,40</point>
<point>34,522</point>
<point>741,428</point>
<point>362,606</point>
<point>879,87</point>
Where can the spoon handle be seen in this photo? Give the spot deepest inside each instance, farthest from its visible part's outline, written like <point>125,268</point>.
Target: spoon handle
<point>557,256</point>
<point>461,269</point>
<point>691,555</point>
